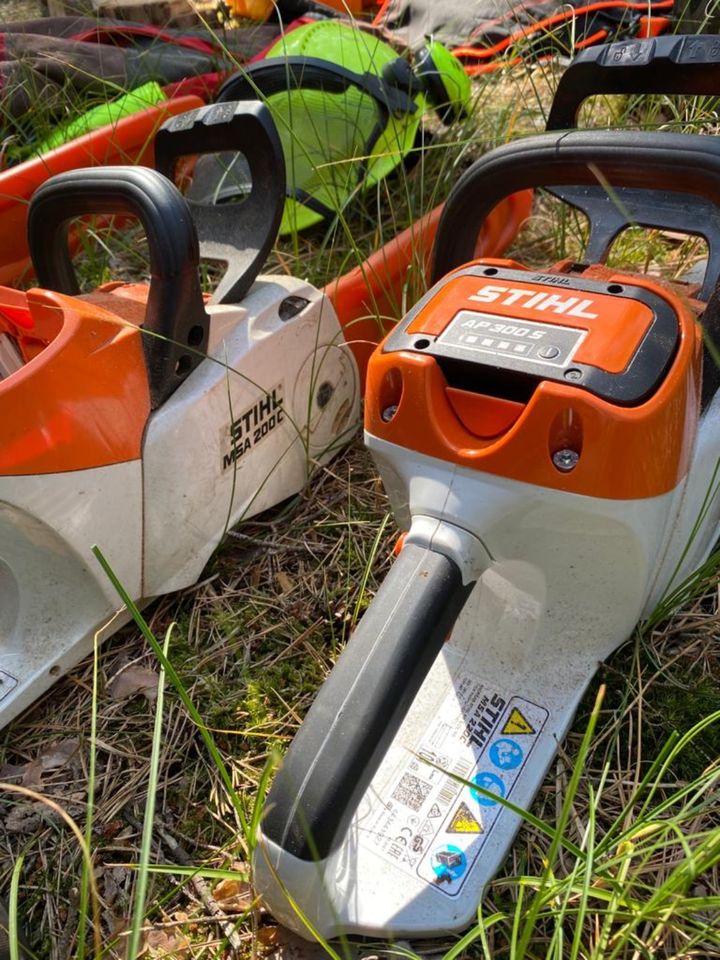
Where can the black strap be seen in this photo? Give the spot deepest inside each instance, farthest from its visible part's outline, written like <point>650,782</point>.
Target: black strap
<point>277,75</point>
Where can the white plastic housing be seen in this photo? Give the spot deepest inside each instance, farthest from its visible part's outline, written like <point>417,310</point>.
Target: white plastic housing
<point>158,520</point>
<point>569,578</point>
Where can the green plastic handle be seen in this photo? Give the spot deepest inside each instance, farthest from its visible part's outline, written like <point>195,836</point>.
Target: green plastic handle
<point>148,95</point>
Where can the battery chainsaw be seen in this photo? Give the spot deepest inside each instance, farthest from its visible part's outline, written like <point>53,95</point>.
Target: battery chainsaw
<point>110,396</point>
<point>143,418</point>
<point>549,441</point>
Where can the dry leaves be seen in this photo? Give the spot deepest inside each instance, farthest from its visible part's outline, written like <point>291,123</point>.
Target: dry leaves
<point>54,757</point>
<point>282,944</point>
<point>284,581</point>
<point>133,680</point>
<point>161,942</point>
<point>233,896</point>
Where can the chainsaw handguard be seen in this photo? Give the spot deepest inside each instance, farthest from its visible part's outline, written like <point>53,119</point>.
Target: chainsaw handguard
<point>175,318</point>
<point>242,234</point>
<point>671,65</point>
<point>362,704</point>
<point>675,162</point>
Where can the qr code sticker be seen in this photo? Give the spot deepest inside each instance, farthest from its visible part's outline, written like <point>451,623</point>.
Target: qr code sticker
<point>411,791</point>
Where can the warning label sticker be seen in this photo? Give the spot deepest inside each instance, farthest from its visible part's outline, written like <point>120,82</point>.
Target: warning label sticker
<point>464,821</point>
<point>517,723</point>
<point>433,825</point>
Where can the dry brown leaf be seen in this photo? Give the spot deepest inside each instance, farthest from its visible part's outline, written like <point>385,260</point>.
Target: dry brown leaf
<point>283,944</point>
<point>269,936</point>
<point>133,680</point>
<point>53,758</point>
<point>23,818</point>
<point>284,581</point>
<point>233,896</point>
<point>166,943</point>
<point>13,771</point>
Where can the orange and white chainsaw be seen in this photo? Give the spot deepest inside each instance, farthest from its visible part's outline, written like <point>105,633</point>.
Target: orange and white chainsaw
<point>142,417</point>
<point>549,441</point>
<point>146,419</point>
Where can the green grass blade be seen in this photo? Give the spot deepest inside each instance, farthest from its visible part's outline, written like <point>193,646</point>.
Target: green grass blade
<point>84,879</point>
<point>179,689</point>
<point>13,933</point>
<point>141,885</point>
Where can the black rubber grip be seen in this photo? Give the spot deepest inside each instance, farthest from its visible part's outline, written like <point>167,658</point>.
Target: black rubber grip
<point>175,314</point>
<point>680,163</point>
<point>359,709</point>
<point>241,235</point>
<point>670,65</point>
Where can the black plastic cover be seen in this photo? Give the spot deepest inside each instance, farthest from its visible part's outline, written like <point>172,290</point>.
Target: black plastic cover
<point>175,316</point>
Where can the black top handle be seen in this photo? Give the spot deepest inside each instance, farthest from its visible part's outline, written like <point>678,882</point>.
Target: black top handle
<point>670,65</point>
<point>685,165</point>
<point>240,235</point>
<point>175,316</point>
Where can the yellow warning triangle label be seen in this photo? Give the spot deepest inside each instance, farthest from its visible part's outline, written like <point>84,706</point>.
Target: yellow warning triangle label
<point>464,821</point>
<point>516,723</point>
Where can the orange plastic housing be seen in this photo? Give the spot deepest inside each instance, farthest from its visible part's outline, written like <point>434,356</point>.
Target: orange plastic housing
<point>612,340</point>
<point>626,452</point>
<point>81,400</point>
<point>130,140</point>
<point>369,299</point>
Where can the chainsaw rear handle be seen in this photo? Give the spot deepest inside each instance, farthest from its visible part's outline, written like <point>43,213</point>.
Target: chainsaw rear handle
<point>242,235</point>
<point>678,163</point>
<point>175,317</point>
<point>361,705</point>
<point>670,65</point>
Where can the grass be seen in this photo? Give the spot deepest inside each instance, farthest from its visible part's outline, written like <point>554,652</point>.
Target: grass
<point>620,857</point>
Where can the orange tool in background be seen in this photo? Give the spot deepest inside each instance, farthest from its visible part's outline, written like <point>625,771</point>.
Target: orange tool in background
<point>130,140</point>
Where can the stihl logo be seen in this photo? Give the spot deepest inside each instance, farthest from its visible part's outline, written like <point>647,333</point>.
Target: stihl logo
<point>509,296</point>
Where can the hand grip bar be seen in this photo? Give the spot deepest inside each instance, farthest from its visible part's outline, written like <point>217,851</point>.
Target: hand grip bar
<point>361,705</point>
<point>670,65</point>
<point>175,316</point>
<point>685,164</point>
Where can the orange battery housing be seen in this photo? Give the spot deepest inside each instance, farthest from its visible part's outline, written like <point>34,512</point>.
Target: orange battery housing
<point>628,450</point>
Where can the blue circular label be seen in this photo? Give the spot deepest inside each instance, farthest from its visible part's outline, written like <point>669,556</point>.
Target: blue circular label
<point>448,862</point>
<point>490,782</point>
<point>506,754</point>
